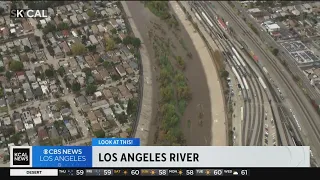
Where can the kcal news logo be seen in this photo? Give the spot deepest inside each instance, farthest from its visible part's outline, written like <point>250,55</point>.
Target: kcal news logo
<point>21,156</point>
<point>28,13</point>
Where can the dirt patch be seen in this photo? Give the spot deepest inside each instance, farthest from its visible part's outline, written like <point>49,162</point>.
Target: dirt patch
<point>196,131</point>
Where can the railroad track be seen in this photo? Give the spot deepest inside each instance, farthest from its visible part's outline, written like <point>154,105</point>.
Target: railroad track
<point>274,65</point>
<point>256,118</point>
<point>226,46</point>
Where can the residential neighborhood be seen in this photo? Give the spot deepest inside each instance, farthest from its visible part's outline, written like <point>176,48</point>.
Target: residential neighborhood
<point>68,77</point>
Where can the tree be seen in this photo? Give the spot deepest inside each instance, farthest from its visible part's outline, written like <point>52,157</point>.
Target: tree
<point>1,11</point>
<point>92,48</point>
<point>49,72</point>
<point>2,69</point>
<point>87,71</point>
<point>183,92</point>
<point>91,89</point>
<point>78,48</point>
<point>91,13</point>
<point>110,44</point>
<point>181,62</point>
<point>275,51</point>
<point>127,40</point>
<point>225,74</point>
<point>122,118</point>
<point>76,87</point>
<point>27,48</point>
<point>132,106</point>
<point>63,26</point>
<point>136,42</point>
<point>166,93</point>
<point>15,66</point>
<point>49,28</point>
<point>61,71</point>
<point>99,134</point>
<point>39,26</point>
<point>107,64</point>
<point>113,31</point>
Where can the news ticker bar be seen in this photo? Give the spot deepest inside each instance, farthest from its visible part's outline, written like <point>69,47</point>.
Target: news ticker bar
<point>156,156</point>
<point>294,172</point>
<point>129,172</point>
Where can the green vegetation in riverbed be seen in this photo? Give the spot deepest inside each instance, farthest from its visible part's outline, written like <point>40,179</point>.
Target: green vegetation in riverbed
<point>174,91</point>
<point>161,10</point>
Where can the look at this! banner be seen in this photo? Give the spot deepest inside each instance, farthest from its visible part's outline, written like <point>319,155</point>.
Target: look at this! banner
<point>107,153</point>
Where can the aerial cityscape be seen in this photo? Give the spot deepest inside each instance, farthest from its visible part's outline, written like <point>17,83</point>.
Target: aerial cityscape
<point>172,73</point>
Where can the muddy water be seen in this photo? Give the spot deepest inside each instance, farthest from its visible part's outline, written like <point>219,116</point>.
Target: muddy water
<point>195,134</point>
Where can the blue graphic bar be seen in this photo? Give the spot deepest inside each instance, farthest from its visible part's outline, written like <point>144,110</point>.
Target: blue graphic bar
<point>115,142</point>
<point>61,156</point>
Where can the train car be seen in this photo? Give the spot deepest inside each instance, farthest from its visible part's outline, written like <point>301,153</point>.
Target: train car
<point>236,60</point>
<point>245,83</point>
<point>207,19</point>
<point>262,83</point>
<point>222,24</point>
<point>238,78</point>
<point>241,113</point>
<point>265,70</point>
<point>198,17</point>
<point>239,57</point>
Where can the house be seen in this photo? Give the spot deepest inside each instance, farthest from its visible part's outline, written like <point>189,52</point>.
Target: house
<point>97,76</point>
<point>57,20</point>
<point>134,65</point>
<point>42,133</point>
<point>10,100</point>
<point>85,16</point>
<point>91,116</point>
<point>19,126</point>
<point>122,36</point>
<point>125,92</point>
<point>29,94</point>
<point>120,70</point>
<point>26,42</point>
<point>72,129</point>
<point>58,53</point>
<point>66,112</point>
<point>93,39</point>
<point>27,27</point>
<point>103,73</point>
<point>74,6</point>
<point>3,102</point>
<point>52,131</point>
<point>94,29</point>
<point>108,113</point>
<point>101,28</point>
<point>37,120</point>
<point>113,23</point>
<point>33,41</point>
<point>31,76</point>
<point>73,64</point>
<point>38,92</point>
<point>74,19</point>
<point>81,101</point>
<point>90,61</point>
<point>129,71</point>
<point>65,33</point>
<point>65,48</point>
<point>80,17</point>
<point>19,98</point>
<point>107,93</point>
